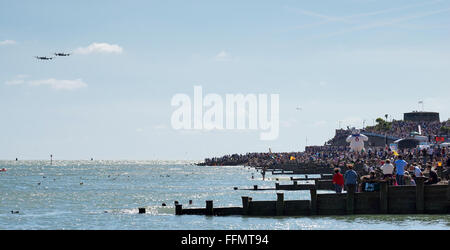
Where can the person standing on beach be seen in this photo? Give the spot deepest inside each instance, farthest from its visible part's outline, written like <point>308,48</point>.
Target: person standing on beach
<point>351,178</point>
<point>338,181</point>
<point>433,179</point>
<point>400,165</point>
<point>388,171</point>
<point>416,170</point>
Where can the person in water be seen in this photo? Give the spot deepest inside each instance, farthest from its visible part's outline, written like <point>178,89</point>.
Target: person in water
<point>263,172</point>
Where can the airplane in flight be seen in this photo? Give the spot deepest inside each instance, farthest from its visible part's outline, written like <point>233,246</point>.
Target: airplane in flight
<point>44,58</point>
<point>62,54</point>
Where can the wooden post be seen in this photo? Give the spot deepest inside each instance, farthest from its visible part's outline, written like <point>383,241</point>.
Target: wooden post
<point>420,202</point>
<point>245,202</point>
<point>383,197</point>
<point>350,199</point>
<point>313,193</point>
<point>209,207</point>
<point>255,187</point>
<point>277,186</point>
<point>178,209</point>
<point>448,197</point>
<point>280,204</point>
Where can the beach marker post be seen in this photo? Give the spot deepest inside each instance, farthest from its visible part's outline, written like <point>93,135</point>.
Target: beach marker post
<point>209,207</point>
<point>420,201</point>
<point>350,199</point>
<point>280,204</point>
<point>383,197</point>
<point>178,209</point>
<point>245,203</point>
<point>448,197</point>
<point>313,193</point>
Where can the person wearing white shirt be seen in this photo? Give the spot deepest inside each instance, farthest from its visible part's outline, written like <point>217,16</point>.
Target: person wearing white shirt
<point>416,170</point>
<point>388,170</point>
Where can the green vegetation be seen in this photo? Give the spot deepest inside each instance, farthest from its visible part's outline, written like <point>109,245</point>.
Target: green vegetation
<point>445,130</point>
<point>382,126</point>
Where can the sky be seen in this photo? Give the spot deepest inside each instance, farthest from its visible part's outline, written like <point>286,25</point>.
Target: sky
<point>332,63</point>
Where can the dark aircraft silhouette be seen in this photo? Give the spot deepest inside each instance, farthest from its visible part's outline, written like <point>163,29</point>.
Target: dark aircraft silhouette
<point>44,58</point>
<point>61,54</point>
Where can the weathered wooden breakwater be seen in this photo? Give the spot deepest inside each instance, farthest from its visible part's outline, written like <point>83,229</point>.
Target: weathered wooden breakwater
<point>305,169</point>
<point>318,185</point>
<point>419,199</point>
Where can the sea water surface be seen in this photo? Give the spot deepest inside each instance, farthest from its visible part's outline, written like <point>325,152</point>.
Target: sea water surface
<point>107,194</point>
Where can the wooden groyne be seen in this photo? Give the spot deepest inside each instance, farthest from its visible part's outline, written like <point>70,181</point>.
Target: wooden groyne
<point>419,199</point>
<point>306,169</point>
<point>318,184</point>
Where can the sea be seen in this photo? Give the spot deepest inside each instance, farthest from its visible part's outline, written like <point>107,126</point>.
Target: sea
<point>107,195</point>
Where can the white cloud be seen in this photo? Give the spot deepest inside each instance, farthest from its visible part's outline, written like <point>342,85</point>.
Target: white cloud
<point>103,48</point>
<point>385,23</point>
<point>287,124</point>
<point>7,42</point>
<point>160,126</point>
<point>60,84</point>
<point>53,83</point>
<point>223,56</point>
<point>15,82</point>
<point>18,79</point>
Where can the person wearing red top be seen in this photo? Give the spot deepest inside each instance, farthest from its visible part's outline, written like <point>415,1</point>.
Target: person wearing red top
<point>338,181</point>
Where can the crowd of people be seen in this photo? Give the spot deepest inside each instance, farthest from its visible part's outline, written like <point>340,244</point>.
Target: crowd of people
<point>403,129</point>
<point>396,171</point>
<point>364,169</point>
<point>333,157</point>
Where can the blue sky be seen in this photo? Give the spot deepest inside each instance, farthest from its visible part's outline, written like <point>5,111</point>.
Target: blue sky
<point>347,61</point>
